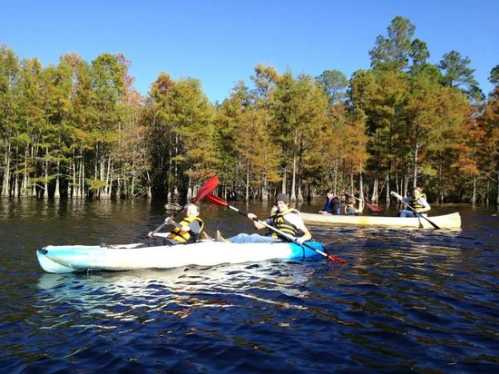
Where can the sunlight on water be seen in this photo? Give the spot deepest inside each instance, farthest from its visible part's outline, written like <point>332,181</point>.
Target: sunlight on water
<point>418,300</point>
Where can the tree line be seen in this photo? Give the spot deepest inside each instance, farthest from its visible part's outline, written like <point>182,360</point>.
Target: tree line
<point>79,129</point>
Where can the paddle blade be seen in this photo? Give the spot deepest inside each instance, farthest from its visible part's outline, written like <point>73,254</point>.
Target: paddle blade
<point>217,200</point>
<point>336,259</point>
<point>374,208</point>
<point>207,188</point>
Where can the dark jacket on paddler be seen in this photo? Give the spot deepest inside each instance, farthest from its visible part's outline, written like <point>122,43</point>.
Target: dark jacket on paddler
<point>332,205</point>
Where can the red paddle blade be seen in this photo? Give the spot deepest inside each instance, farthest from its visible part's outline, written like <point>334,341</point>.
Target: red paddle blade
<point>336,259</point>
<point>374,208</point>
<point>207,188</point>
<point>217,200</point>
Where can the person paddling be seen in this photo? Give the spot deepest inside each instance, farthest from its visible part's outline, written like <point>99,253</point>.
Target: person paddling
<point>418,202</point>
<point>285,219</point>
<point>189,230</point>
<point>332,205</point>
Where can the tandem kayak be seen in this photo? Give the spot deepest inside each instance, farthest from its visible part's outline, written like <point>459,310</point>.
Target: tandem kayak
<point>81,258</point>
<point>448,221</point>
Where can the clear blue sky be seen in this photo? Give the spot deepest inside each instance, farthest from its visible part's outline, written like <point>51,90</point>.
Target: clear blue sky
<point>220,42</point>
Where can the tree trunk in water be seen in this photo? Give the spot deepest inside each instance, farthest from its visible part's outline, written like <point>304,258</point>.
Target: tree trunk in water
<point>265,192</point>
<point>300,191</point>
<point>109,179</point>
<point>473,198</point>
<point>335,184</point>
<point>415,181</point>
<point>293,181</point>
<point>46,172</point>
<point>374,196</point>
<point>246,194</point>
<point>440,189</point>
<point>387,186</point>
<point>497,197</point>
<point>487,198</point>
<point>361,193</point>
<point>6,173</point>
<point>24,183</point>
<point>16,185</point>
<point>283,189</point>
<point>82,181</point>
<point>56,192</point>
<point>406,185</point>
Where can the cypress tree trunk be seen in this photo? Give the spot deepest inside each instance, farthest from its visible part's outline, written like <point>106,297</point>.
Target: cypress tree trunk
<point>374,196</point>
<point>361,192</point>
<point>56,192</point>
<point>487,195</point>
<point>6,174</point>
<point>415,181</point>
<point>247,183</point>
<point>82,187</point>
<point>283,189</point>
<point>497,198</point>
<point>473,198</point>
<point>335,184</point>
<point>265,192</point>
<point>351,183</point>
<point>387,186</point>
<point>293,181</point>
<point>46,171</point>
<point>24,183</point>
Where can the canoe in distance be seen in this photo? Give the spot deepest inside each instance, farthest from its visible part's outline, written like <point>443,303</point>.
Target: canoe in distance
<point>450,221</point>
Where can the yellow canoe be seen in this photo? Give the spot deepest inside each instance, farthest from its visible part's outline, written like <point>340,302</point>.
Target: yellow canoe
<point>447,221</point>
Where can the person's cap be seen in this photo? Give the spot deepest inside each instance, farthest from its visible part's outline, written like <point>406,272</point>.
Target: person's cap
<point>282,197</point>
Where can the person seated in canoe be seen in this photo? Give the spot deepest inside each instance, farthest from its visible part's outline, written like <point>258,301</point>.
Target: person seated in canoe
<point>332,205</point>
<point>285,219</point>
<point>189,230</point>
<point>350,205</point>
<point>417,201</point>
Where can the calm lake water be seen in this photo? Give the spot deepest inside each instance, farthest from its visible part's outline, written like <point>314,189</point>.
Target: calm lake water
<point>419,300</point>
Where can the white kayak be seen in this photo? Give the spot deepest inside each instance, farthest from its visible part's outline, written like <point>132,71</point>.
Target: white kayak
<point>80,258</point>
<point>448,221</point>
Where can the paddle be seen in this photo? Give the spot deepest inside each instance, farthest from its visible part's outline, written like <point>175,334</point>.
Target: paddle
<point>419,215</point>
<point>207,188</point>
<point>219,201</point>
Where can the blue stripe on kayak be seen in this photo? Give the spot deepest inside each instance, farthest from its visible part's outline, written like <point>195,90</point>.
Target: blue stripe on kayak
<point>297,251</point>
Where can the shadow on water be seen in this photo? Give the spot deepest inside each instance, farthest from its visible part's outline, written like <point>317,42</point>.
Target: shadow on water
<point>417,300</point>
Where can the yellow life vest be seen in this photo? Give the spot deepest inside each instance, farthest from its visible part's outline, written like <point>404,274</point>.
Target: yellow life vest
<point>184,237</point>
<point>281,224</point>
<point>415,201</point>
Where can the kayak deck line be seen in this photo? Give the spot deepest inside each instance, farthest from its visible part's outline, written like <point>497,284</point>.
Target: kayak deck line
<point>450,221</point>
<point>81,258</point>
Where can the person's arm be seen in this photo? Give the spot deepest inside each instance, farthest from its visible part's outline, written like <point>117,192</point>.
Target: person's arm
<point>194,227</point>
<point>296,220</point>
<point>424,203</point>
<point>257,224</point>
<point>160,234</point>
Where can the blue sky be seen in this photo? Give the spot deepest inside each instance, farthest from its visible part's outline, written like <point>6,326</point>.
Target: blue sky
<point>220,42</point>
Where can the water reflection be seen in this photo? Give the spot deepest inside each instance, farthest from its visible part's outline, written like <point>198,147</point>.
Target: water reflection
<point>408,300</point>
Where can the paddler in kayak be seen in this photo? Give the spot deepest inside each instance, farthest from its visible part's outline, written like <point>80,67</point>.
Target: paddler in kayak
<point>418,202</point>
<point>285,219</point>
<point>189,230</point>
